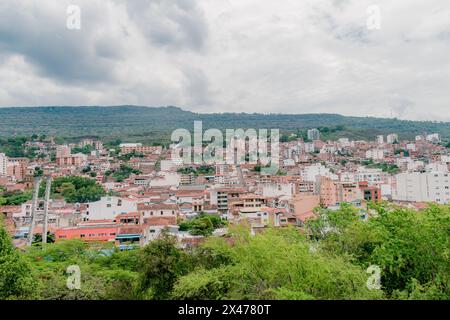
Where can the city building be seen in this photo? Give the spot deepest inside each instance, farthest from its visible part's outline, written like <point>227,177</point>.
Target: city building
<point>423,187</point>
<point>313,134</point>
<point>380,139</point>
<point>3,164</point>
<point>392,138</point>
<point>107,208</point>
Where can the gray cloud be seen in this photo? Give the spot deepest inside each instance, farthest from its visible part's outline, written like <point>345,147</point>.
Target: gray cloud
<point>175,24</point>
<point>235,55</point>
<point>39,33</point>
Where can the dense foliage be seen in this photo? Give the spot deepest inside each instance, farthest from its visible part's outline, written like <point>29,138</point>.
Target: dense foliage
<point>75,189</point>
<point>87,149</point>
<point>326,259</point>
<point>16,278</point>
<point>14,198</point>
<point>122,173</point>
<point>202,225</point>
<point>411,248</point>
<point>385,167</point>
<point>13,147</point>
<point>200,170</point>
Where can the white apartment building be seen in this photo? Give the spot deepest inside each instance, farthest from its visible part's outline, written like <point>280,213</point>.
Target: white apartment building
<point>141,181</point>
<point>439,187</point>
<point>171,165</point>
<point>130,145</point>
<point>375,154</point>
<point>411,146</point>
<point>391,138</point>
<point>423,187</point>
<point>344,142</point>
<point>309,147</point>
<point>347,177</point>
<point>63,151</point>
<point>107,208</point>
<point>311,172</point>
<point>380,139</point>
<point>372,176</point>
<point>436,166</point>
<point>328,149</point>
<point>275,189</point>
<point>158,210</point>
<point>435,137</point>
<point>415,165</point>
<point>3,164</point>
<point>166,179</point>
<point>313,134</point>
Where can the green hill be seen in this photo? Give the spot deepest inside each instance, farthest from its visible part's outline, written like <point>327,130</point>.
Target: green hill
<point>133,123</point>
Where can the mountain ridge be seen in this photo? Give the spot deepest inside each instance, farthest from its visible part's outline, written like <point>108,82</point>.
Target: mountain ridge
<point>132,122</point>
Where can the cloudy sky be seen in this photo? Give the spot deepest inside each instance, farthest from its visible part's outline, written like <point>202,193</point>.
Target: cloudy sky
<point>289,56</point>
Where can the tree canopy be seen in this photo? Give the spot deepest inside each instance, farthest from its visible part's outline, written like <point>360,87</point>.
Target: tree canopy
<point>327,258</point>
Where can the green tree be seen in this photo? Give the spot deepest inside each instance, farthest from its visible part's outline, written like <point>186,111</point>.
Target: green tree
<point>15,198</point>
<point>67,190</point>
<point>161,264</point>
<point>411,247</point>
<point>75,189</point>
<point>105,272</point>
<point>203,225</point>
<point>276,264</point>
<point>16,278</point>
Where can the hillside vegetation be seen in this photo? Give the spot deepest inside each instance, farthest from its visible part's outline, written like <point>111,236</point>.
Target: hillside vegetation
<point>132,123</point>
<point>330,258</point>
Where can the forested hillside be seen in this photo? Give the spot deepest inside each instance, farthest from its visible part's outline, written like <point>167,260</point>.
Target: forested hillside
<point>132,123</point>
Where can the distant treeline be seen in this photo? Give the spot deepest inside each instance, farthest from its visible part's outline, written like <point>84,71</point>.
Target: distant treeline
<point>150,125</point>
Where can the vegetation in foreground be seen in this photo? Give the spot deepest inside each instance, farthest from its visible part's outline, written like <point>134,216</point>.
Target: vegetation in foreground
<point>327,259</point>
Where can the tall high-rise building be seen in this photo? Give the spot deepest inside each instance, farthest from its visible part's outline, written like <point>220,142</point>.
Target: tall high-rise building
<point>63,151</point>
<point>3,164</point>
<point>380,139</point>
<point>392,138</point>
<point>423,187</point>
<point>434,137</point>
<point>313,134</point>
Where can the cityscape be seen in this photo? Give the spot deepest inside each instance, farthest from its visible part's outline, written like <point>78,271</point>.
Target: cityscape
<point>125,197</point>
<point>224,158</point>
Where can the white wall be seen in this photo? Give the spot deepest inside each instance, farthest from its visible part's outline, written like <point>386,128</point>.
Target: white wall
<point>423,187</point>
<point>107,208</point>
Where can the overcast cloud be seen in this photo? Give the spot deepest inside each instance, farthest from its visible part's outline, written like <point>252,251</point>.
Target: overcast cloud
<point>289,56</point>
